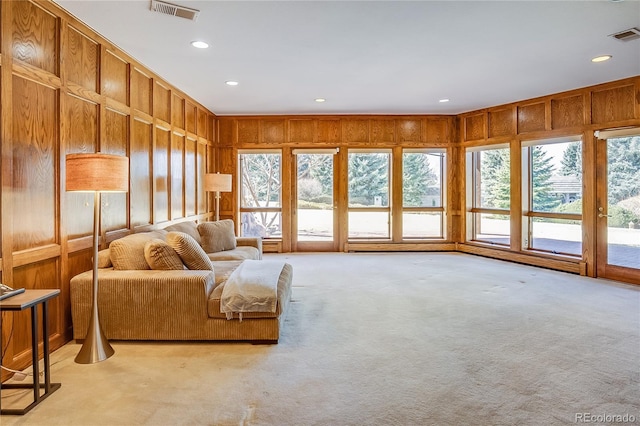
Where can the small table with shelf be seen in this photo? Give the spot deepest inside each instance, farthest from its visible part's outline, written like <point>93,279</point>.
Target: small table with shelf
<point>31,299</point>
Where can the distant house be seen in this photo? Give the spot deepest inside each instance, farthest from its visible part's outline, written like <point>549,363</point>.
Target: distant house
<point>566,188</point>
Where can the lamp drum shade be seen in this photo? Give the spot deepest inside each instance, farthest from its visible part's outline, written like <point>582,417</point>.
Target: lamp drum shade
<point>97,172</point>
<point>215,182</point>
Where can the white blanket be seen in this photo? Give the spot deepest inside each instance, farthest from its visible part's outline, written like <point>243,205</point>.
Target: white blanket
<point>252,287</point>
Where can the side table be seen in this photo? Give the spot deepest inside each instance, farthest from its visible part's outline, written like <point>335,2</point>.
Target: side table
<point>31,299</point>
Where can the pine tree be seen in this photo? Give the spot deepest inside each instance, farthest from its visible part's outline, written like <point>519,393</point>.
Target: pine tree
<point>542,170</point>
<point>417,177</point>
<point>368,178</point>
<point>495,178</point>
<point>571,163</point>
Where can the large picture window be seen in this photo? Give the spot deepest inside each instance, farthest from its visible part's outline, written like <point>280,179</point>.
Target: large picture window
<point>423,193</point>
<point>369,210</point>
<point>552,196</point>
<point>489,194</point>
<point>260,193</point>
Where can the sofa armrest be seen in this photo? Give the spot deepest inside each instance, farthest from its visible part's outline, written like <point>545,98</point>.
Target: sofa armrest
<point>144,304</point>
<point>251,241</point>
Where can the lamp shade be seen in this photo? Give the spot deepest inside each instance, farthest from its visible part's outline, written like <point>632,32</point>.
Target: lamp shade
<point>215,182</point>
<point>97,172</point>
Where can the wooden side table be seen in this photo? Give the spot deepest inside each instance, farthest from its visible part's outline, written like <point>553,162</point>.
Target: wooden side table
<point>31,299</point>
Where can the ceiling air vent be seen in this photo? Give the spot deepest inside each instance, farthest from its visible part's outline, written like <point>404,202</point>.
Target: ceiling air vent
<point>174,10</point>
<point>626,35</point>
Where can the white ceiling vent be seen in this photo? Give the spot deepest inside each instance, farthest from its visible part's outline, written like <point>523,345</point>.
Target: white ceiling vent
<point>626,35</point>
<point>174,10</point>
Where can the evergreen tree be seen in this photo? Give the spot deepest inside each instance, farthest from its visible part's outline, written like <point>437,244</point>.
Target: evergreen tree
<point>571,163</point>
<point>417,177</point>
<point>623,168</point>
<point>368,178</point>
<point>495,178</point>
<point>541,174</point>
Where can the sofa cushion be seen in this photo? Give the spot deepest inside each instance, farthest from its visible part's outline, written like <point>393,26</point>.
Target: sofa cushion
<point>189,251</point>
<point>104,258</point>
<point>190,228</point>
<point>162,256</point>
<point>217,236</point>
<point>238,253</point>
<point>127,253</point>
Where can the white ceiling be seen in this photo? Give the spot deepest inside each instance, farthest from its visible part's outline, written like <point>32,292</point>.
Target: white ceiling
<point>380,57</point>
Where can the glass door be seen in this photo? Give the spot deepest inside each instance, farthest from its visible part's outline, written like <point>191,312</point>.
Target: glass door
<point>315,206</point>
<point>618,208</point>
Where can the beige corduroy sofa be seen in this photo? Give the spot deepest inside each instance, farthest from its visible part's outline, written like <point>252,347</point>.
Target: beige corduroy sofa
<point>148,304</point>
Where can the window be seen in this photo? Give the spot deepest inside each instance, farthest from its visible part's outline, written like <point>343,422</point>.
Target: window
<point>260,193</point>
<point>552,196</point>
<point>489,194</point>
<point>369,210</point>
<point>423,193</point>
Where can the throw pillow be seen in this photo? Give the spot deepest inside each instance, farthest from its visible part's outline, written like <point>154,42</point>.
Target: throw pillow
<point>217,236</point>
<point>160,255</point>
<point>189,227</point>
<point>104,258</point>
<point>189,251</point>
<point>127,253</point>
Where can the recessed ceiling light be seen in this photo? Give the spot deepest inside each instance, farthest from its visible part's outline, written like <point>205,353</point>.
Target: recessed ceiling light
<point>231,83</point>
<point>199,44</point>
<point>320,100</point>
<point>601,58</point>
<point>443,100</point>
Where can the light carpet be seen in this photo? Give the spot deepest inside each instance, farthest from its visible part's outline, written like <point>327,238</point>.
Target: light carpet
<point>383,339</point>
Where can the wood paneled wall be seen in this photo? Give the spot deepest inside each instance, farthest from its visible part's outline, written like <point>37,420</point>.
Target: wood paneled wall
<point>574,113</point>
<point>65,89</point>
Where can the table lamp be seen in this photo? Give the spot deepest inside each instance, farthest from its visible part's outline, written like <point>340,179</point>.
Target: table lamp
<point>96,173</point>
<point>215,182</point>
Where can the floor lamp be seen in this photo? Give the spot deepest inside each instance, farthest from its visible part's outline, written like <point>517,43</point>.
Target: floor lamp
<point>96,173</point>
<point>215,182</point>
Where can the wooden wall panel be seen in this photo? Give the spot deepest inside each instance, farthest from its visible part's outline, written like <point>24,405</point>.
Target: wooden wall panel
<point>248,131</point>
<point>144,89</point>
<point>612,105</point>
<point>384,130</point>
<point>190,117</point>
<point>115,142</point>
<point>140,173</point>
<point>82,60</point>
<point>115,77</point>
<point>202,123</point>
<point>226,130</point>
<point>302,130</point>
<point>438,130</point>
<point>35,158</point>
<point>35,36</point>
<point>501,123</point>
<point>83,137</point>
<point>409,131</point>
<point>201,169</point>
<point>567,112</point>
<point>161,102</point>
<point>161,175</point>
<point>328,131</point>
<point>273,131</point>
<point>177,111</point>
<point>177,176</point>
<point>190,176</point>
<point>474,127</point>
<point>531,118</point>
<point>355,131</point>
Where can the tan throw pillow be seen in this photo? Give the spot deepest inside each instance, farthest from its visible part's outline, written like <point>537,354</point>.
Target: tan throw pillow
<point>189,227</point>
<point>217,236</point>
<point>127,253</point>
<point>160,255</point>
<point>104,258</point>
<point>189,251</point>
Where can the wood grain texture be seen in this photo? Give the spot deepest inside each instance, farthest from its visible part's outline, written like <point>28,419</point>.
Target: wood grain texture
<point>273,131</point>
<point>202,128</point>
<point>115,77</point>
<point>34,157</point>
<point>613,105</point>
<point>302,130</point>
<point>438,130</point>
<point>140,173</point>
<point>248,131</point>
<point>142,99</point>
<point>161,102</point>
<point>383,131</point>
<point>355,130</point>
<point>328,130</point>
<point>35,36</point>
<point>409,131</point>
<point>115,141</point>
<point>190,176</point>
<point>177,176</point>
<point>177,111</point>
<point>161,175</point>
<point>82,61</point>
<point>201,169</point>
<point>474,127</point>
<point>190,117</point>
<point>567,112</point>
<point>501,123</point>
<point>226,132</point>
<point>531,118</point>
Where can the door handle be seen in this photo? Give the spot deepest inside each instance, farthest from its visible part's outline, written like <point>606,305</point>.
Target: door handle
<point>601,209</point>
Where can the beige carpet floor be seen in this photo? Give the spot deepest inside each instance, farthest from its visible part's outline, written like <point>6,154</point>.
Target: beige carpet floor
<point>384,339</point>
